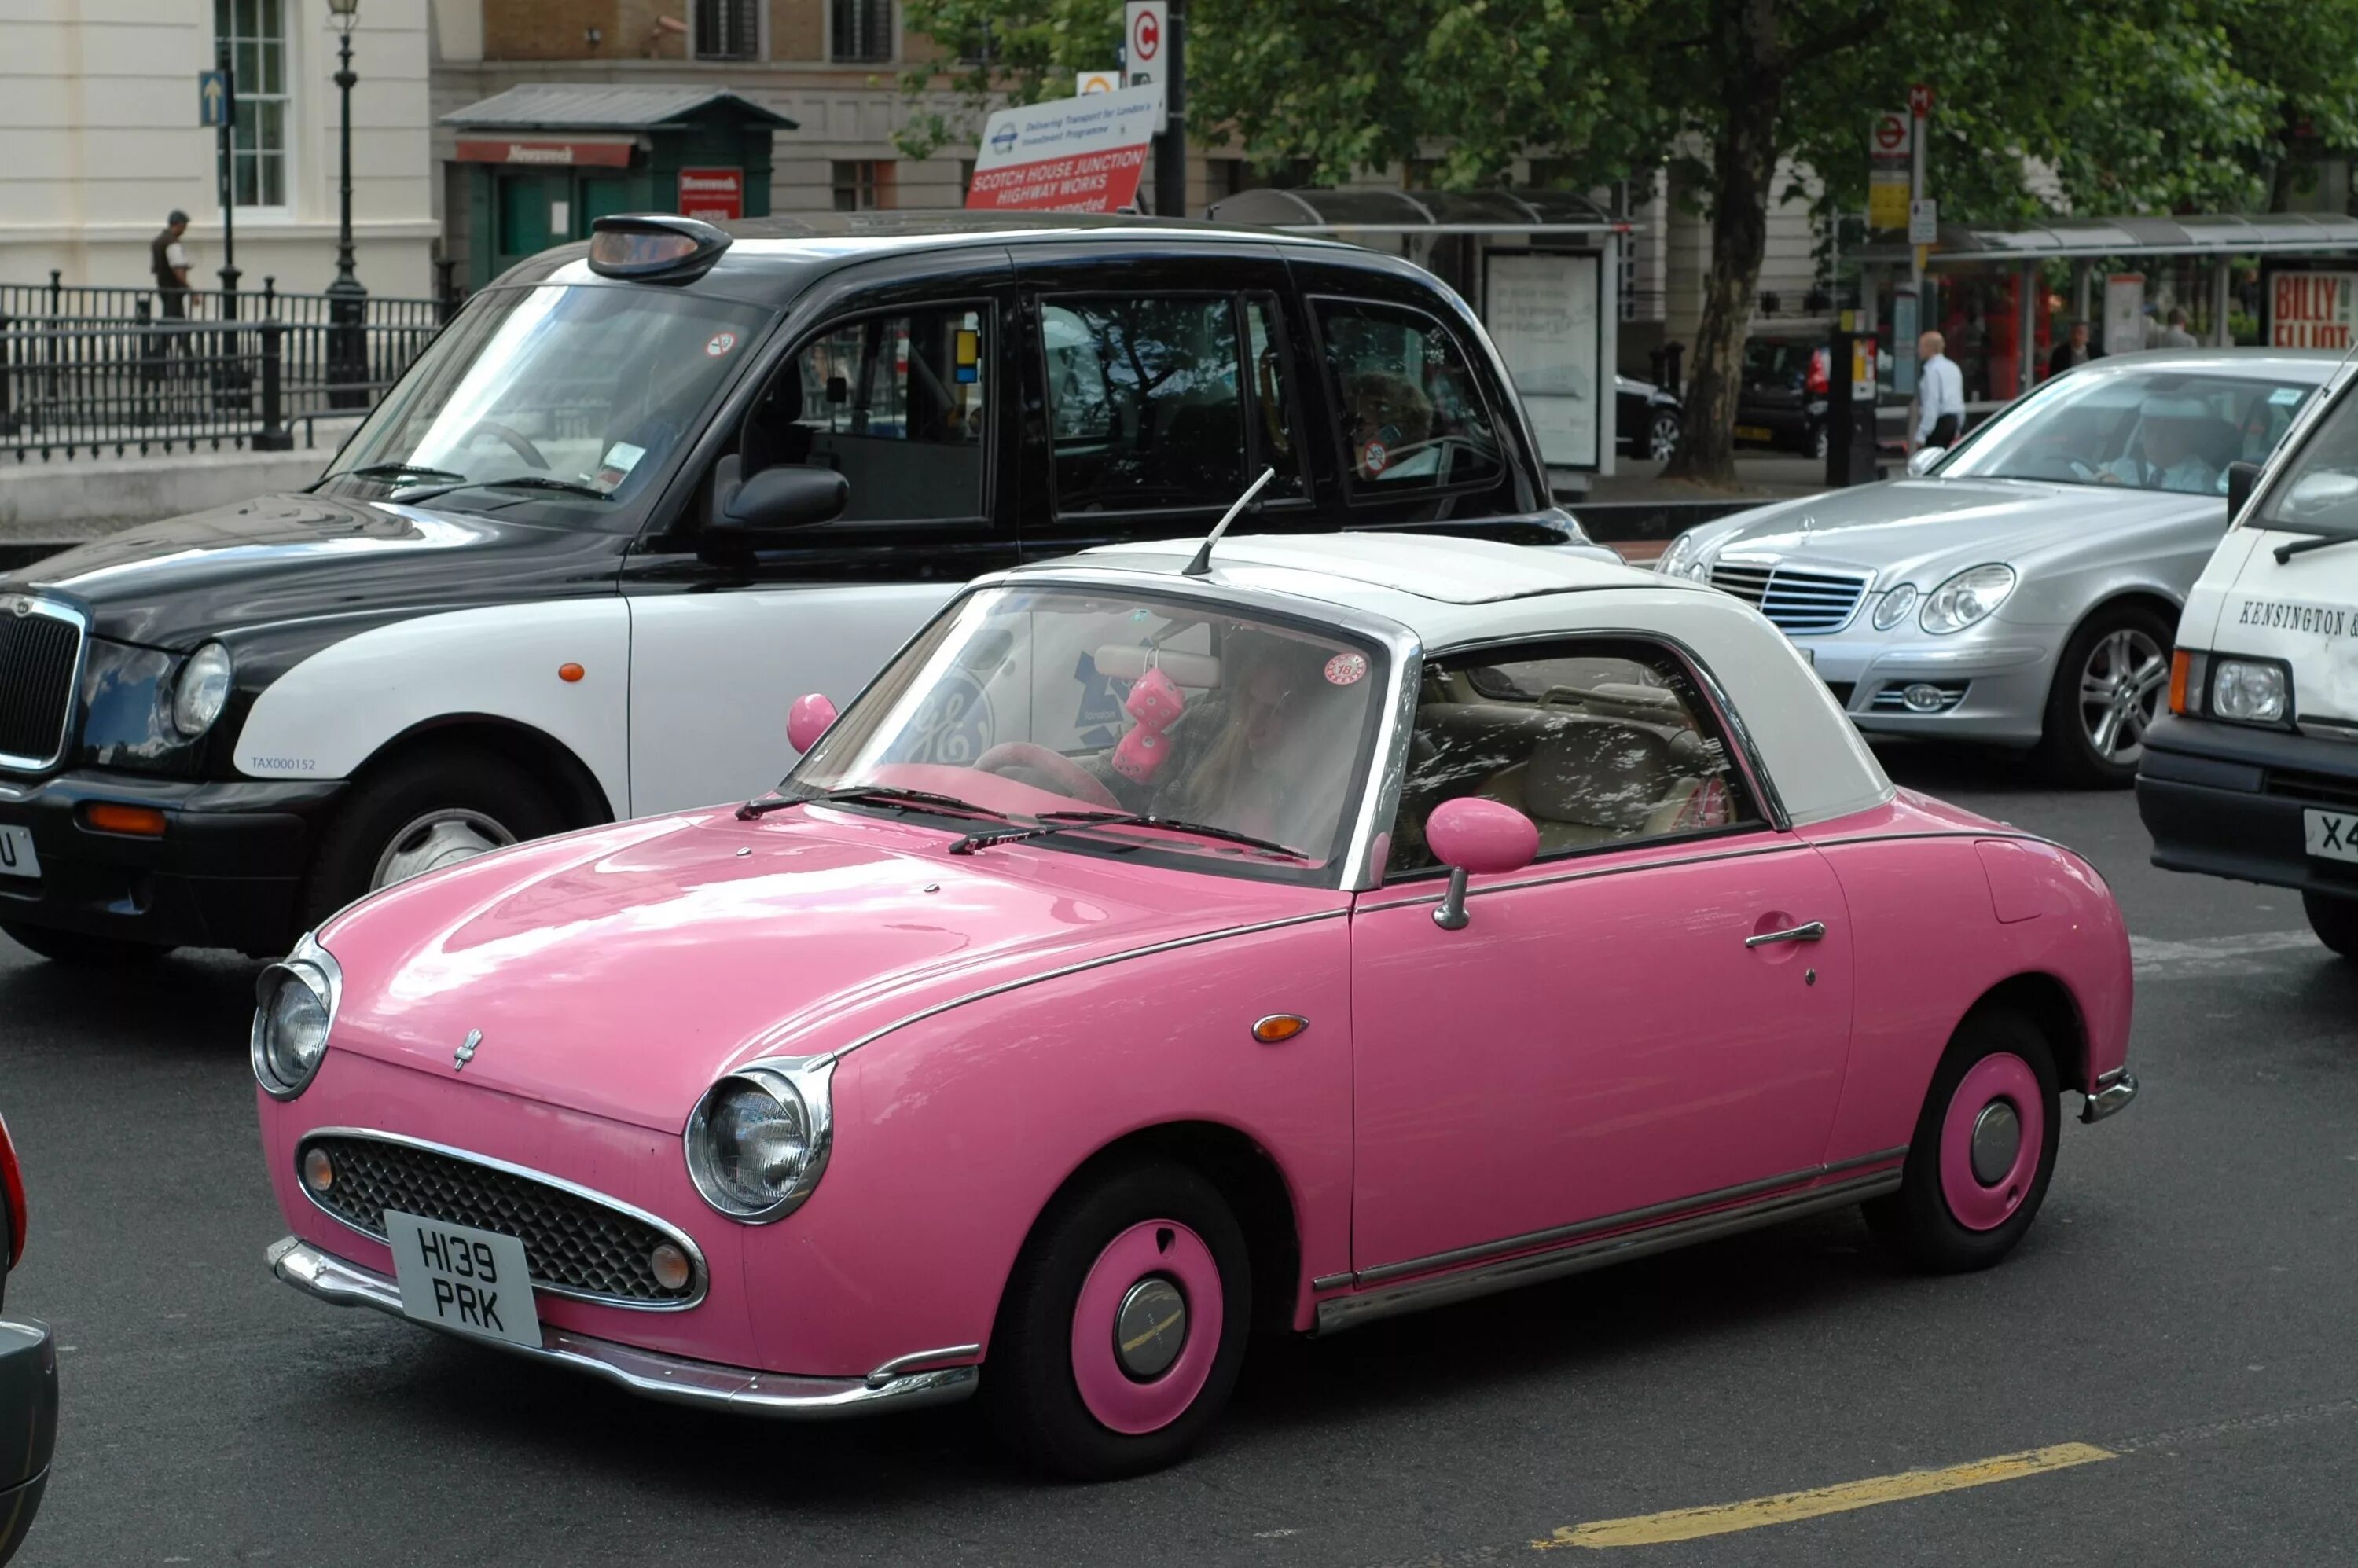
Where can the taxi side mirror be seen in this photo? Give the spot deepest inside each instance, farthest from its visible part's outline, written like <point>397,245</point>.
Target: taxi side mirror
<point>1920,460</point>
<point>2242,480</point>
<point>777,499</point>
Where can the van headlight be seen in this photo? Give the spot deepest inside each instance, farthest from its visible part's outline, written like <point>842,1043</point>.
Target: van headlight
<point>757,1142</point>
<point>202,690</point>
<point>1972,595</point>
<point>2250,691</point>
<point>294,1006</point>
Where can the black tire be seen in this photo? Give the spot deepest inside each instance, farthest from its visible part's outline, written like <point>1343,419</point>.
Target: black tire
<point>2067,752</point>
<point>2335,921</point>
<point>1036,1406</point>
<point>407,790</point>
<point>80,949</point>
<point>1917,1222</point>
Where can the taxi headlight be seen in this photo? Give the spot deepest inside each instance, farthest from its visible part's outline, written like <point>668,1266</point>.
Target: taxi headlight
<point>1684,557</point>
<point>1894,606</point>
<point>202,690</point>
<point>2252,691</point>
<point>1972,595</point>
<point>295,1004</point>
<point>757,1141</point>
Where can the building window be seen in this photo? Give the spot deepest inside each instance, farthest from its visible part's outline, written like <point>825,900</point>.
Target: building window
<point>863,31</point>
<point>864,185</point>
<point>728,29</point>
<point>251,34</point>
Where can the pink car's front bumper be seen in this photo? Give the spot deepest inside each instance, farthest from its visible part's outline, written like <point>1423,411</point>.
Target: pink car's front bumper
<point>675,1378</point>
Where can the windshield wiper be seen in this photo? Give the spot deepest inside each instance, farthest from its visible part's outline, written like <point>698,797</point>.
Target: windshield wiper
<point>2302,546</point>
<point>514,482</point>
<point>396,472</point>
<point>877,795</point>
<point>1073,821</point>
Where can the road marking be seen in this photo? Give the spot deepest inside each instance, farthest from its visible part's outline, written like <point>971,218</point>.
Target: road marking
<point>1726,1519</point>
<point>2212,955</point>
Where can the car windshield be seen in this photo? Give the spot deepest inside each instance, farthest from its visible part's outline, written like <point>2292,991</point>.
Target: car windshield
<point>1034,701</point>
<point>570,398</point>
<point>2141,431</point>
<point>2318,492</point>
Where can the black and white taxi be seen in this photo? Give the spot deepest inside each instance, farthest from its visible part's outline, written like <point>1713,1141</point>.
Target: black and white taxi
<point>642,493</point>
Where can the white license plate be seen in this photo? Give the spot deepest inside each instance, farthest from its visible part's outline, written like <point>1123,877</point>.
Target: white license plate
<point>17,856</point>
<point>464,1279</point>
<point>2331,834</point>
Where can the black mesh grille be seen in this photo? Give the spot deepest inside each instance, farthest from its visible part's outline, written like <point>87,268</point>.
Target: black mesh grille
<point>571,1242</point>
<point>37,667</point>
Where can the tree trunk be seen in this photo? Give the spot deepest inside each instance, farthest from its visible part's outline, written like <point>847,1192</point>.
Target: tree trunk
<point>1744,163</point>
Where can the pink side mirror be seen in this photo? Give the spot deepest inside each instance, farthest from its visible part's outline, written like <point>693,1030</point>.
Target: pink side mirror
<point>807,720</point>
<point>1471,834</point>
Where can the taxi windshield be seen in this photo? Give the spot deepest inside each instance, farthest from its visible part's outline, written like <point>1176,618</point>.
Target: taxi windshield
<point>568,398</point>
<point>1038,705</point>
<point>2318,492</point>
<point>2166,430</point>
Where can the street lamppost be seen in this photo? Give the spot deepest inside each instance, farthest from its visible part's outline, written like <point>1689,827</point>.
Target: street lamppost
<point>347,300</point>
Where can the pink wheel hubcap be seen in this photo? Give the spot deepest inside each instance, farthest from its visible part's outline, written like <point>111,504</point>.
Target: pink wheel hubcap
<point>1991,1141</point>
<point>1146,1328</point>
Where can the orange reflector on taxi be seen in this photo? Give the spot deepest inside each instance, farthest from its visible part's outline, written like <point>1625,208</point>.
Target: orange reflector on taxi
<point>1279,1027</point>
<point>145,821</point>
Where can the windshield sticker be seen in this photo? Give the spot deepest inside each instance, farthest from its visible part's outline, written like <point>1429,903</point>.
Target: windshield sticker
<point>2281,615</point>
<point>2285,396</point>
<point>719,344</point>
<point>1373,458</point>
<point>621,458</point>
<point>1347,669</point>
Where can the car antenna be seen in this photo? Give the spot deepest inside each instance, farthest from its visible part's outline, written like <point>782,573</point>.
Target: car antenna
<point>1202,565</point>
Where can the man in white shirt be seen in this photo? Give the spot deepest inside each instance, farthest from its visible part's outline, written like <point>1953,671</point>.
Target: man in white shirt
<point>1940,393</point>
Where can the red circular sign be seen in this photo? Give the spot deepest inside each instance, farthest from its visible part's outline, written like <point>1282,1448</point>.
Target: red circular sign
<point>1145,38</point>
<point>1889,133</point>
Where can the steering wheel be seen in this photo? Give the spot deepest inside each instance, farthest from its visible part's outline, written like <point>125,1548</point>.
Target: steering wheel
<point>515,443</point>
<point>1070,778</point>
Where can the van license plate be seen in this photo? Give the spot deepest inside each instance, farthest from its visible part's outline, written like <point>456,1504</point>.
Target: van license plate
<point>467,1281</point>
<point>2331,834</point>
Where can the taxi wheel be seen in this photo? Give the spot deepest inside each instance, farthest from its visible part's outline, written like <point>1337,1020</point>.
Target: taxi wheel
<point>1984,1151</point>
<point>2335,921</point>
<point>1123,1328</point>
<point>2111,684</point>
<point>80,949</point>
<point>422,813</point>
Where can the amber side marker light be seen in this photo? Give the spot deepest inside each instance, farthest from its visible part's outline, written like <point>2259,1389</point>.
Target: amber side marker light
<point>1279,1028</point>
<point>2181,668</point>
<point>570,672</point>
<point>141,821</point>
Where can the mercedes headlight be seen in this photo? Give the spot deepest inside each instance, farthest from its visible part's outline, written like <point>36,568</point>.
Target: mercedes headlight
<point>294,1003</point>
<point>1685,557</point>
<point>757,1141</point>
<point>1972,595</point>
<point>1894,606</point>
<point>202,690</point>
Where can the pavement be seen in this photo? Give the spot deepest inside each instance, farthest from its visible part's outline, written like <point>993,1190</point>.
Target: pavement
<point>2164,1372</point>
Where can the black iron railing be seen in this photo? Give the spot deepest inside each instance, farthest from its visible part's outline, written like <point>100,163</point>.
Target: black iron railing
<point>102,372</point>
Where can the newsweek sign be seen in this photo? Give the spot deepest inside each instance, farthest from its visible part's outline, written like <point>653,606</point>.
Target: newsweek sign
<point>712,194</point>
<point>1075,154</point>
<point>2312,309</point>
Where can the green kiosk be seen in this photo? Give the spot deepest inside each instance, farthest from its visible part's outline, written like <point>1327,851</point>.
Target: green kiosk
<point>544,162</point>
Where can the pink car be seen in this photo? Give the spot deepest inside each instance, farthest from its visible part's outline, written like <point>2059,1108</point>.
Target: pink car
<point>1149,955</point>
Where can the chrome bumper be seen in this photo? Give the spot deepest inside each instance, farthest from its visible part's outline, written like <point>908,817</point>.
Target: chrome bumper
<point>659,1377</point>
<point>2113,1091</point>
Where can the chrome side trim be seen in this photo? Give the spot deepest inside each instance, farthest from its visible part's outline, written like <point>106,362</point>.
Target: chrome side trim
<point>1579,1256</point>
<point>1331,1281</point>
<point>55,609</point>
<point>672,1233</point>
<point>2114,1092</point>
<point>1082,967</point>
<point>1434,877</point>
<point>900,1364</point>
<point>673,1378</point>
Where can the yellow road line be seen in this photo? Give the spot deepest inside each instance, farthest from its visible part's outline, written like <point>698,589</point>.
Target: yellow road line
<point>1723,1519</point>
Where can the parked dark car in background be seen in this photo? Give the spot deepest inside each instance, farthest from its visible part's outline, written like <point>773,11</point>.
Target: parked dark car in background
<point>1645,419</point>
<point>28,1380</point>
<point>1783,402</point>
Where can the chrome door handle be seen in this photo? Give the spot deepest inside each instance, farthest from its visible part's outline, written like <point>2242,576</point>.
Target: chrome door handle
<point>1815,931</point>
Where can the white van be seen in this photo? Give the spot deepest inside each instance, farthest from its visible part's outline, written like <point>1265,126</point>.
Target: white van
<point>2254,774</point>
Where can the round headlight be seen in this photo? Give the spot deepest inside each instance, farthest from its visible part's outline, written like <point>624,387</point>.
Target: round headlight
<point>757,1143</point>
<point>1893,608</point>
<point>202,690</point>
<point>294,1004</point>
<point>1684,557</point>
<point>1972,595</point>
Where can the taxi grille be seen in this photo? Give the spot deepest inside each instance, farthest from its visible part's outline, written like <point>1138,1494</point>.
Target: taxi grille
<point>37,655</point>
<point>575,1245</point>
<point>1796,600</point>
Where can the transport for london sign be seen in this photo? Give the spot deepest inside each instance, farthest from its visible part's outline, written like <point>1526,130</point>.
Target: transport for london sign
<point>1075,154</point>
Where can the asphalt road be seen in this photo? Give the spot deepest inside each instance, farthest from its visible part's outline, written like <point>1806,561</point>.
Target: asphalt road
<point>2182,1305</point>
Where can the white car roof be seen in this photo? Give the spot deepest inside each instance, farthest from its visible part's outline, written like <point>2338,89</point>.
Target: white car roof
<point>1453,592</point>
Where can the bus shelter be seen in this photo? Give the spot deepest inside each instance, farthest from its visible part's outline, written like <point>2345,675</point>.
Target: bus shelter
<point>1544,269</point>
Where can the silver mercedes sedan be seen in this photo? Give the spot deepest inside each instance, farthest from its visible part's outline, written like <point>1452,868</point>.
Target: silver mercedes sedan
<point>2023,587</point>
